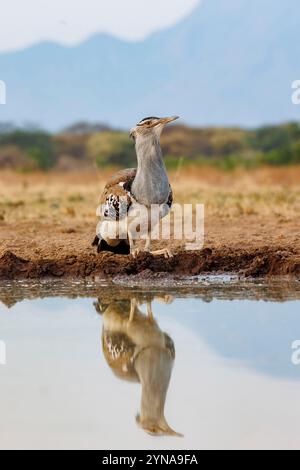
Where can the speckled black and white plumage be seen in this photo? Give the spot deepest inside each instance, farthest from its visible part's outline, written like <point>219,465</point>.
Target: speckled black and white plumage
<point>117,197</point>
<point>115,203</point>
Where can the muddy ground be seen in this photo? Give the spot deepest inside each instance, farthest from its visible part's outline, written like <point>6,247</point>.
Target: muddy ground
<point>249,245</point>
<point>252,225</point>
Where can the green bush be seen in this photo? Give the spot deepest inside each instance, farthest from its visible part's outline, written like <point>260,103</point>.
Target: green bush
<point>226,148</point>
<point>112,148</point>
<point>38,146</point>
<point>270,138</point>
<point>288,156</point>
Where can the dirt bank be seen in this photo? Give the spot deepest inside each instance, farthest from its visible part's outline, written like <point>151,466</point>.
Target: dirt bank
<point>250,246</point>
<point>252,225</point>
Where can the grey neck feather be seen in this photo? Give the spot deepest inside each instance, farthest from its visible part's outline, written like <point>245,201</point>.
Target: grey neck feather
<point>154,367</point>
<point>151,184</point>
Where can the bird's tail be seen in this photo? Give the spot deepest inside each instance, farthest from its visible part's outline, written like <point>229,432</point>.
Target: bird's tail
<point>121,249</point>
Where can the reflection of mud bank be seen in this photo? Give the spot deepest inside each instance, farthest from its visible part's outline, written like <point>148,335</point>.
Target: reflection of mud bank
<point>256,263</point>
<point>206,288</point>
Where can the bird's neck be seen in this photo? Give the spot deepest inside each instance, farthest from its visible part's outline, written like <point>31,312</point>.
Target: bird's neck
<point>151,184</point>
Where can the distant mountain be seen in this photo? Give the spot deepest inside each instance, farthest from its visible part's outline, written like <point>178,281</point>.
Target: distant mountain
<point>229,62</point>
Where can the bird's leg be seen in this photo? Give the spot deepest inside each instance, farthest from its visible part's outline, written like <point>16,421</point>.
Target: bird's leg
<point>133,306</point>
<point>148,242</point>
<point>150,312</point>
<point>133,250</point>
<point>131,242</point>
<point>166,252</point>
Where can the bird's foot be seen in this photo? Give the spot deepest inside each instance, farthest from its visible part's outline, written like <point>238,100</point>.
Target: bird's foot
<point>135,253</point>
<point>166,299</point>
<point>166,252</point>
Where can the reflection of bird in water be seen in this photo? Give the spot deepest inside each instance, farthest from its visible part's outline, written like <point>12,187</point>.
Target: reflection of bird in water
<point>137,350</point>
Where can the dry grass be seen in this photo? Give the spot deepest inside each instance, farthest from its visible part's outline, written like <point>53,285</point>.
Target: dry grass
<point>272,192</point>
<point>264,191</point>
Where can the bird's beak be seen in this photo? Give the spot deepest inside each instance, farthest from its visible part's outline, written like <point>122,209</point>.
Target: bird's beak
<point>166,120</point>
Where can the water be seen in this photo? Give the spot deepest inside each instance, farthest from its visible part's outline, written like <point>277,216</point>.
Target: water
<point>77,365</point>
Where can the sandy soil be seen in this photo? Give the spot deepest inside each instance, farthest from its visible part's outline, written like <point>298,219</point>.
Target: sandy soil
<point>252,227</point>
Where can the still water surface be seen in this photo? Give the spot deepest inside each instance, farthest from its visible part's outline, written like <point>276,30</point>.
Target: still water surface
<point>120,368</point>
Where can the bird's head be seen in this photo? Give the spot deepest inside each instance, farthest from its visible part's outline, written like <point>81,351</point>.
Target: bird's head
<point>151,126</point>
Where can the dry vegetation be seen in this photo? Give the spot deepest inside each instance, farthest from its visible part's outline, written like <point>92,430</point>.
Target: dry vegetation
<point>62,197</point>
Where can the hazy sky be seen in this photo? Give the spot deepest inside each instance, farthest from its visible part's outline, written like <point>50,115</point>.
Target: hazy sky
<point>68,21</point>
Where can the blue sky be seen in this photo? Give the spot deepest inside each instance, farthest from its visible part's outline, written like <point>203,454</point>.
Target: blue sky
<point>69,22</point>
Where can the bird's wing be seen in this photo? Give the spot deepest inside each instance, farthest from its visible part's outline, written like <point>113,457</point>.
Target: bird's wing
<point>122,176</point>
<point>116,198</point>
<point>119,351</point>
